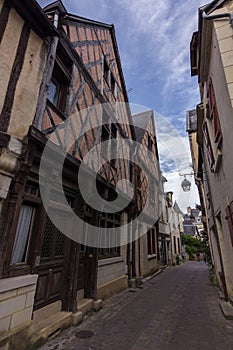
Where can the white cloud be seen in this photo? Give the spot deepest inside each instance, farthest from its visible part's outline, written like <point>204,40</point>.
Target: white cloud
<point>175,158</point>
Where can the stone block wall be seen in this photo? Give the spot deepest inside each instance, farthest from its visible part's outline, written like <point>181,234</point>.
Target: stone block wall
<point>16,301</point>
<point>110,269</point>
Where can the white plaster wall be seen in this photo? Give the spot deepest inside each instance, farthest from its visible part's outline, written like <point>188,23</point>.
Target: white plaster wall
<point>221,184</point>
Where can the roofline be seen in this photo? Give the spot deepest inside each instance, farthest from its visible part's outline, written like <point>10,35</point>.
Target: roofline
<point>58,3</point>
<point>74,17</point>
<point>138,114</point>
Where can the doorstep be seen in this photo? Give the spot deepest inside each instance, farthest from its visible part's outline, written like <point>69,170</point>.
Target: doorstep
<point>85,305</point>
<point>47,328</point>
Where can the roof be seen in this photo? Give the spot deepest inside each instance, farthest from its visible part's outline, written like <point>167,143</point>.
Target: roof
<point>212,6</point>
<point>58,5</point>
<point>141,121</point>
<point>177,208</point>
<point>31,11</point>
<point>202,40</point>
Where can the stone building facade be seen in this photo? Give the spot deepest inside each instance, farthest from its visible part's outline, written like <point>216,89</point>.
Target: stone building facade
<point>211,60</point>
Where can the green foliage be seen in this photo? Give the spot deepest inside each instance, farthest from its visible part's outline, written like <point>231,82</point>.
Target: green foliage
<point>192,241</point>
<point>194,245</point>
<point>190,251</point>
<point>177,260</point>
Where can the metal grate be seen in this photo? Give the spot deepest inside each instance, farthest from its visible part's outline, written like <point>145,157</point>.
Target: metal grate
<point>60,244</point>
<point>48,237</point>
<point>84,334</point>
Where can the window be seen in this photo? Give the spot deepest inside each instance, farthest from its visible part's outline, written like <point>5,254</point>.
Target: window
<point>174,241</point>
<point>131,172</point>
<point>61,78</point>
<point>213,114</point>
<point>111,221</point>
<point>106,71</point>
<point>109,151</point>
<point>54,92</point>
<point>178,243</point>
<point>151,250</point>
<point>112,83</point>
<point>109,78</point>
<point>58,88</point>
<point>152,188</point>
<point>150,143</point>
<point>210,154</point>
<point>22,236</point>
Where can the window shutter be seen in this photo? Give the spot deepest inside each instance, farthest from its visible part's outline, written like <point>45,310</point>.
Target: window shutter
<point>208,145</point>
<point>229,217</point>
<point>213,114</point>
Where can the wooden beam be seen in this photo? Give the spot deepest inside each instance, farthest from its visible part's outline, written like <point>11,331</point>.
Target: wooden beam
<point>4,15</point>
<point>42,100</point>
<point>14,77</point>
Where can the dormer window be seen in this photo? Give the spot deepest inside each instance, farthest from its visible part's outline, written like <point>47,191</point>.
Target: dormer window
<point>60,81</point>
<point>109,78</point>
<point>58,88</point>
<point>106,71</point>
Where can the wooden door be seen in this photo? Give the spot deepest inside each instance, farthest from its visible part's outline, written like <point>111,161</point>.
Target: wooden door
<point>52,269</point>
<point>83,261</point>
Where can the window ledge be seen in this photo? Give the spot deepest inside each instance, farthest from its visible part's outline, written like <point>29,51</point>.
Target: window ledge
<point>152,256</point>
<point>7,284</point>
<point>218,158</point>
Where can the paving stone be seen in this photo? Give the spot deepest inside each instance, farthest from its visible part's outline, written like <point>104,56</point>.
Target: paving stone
<point>178,311</point>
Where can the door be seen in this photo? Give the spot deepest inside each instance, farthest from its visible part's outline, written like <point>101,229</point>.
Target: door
<point>52,269</point>
<point>83,256</point>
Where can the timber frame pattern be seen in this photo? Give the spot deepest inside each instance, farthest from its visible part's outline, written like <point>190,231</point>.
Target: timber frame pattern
<point>82,68</point>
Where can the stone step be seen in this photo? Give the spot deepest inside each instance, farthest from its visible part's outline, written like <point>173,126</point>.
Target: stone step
<point>227,309</point>
<point>50,326</point>
<point>85,305</point>
<point>80,294</point>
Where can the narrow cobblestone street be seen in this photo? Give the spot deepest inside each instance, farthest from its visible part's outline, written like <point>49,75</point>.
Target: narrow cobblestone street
<point>177,309</point>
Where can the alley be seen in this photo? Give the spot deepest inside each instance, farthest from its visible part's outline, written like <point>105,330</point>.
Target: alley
<point>177,309</point>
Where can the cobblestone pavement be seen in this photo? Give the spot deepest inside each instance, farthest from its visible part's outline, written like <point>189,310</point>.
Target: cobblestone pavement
<point>176,310</point>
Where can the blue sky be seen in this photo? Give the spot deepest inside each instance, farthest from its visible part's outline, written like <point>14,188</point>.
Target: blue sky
<point>153,39</point>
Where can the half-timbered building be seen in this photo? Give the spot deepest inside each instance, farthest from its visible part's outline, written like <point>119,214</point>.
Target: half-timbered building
<point>146,255</point>
<point>211,60</point>
<point>55,66</point>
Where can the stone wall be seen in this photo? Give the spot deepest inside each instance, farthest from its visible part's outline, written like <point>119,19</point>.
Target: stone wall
<point>16,301</point>
<point>110,269</point>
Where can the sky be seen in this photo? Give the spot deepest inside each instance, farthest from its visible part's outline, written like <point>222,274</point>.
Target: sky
<point>153,39</point>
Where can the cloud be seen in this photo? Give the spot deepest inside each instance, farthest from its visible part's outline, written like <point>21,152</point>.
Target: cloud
<point>175,159</point>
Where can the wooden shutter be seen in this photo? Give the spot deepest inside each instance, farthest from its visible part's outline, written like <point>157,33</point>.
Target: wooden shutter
<point>208,145</point>
<point>213,114</point>
<point>229,217</point>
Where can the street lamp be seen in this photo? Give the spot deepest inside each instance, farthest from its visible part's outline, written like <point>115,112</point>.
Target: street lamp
<point>186,184</point>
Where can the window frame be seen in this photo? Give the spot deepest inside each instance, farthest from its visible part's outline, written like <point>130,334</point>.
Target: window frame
<point>151,243</point>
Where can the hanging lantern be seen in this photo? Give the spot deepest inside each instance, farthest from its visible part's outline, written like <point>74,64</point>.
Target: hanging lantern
<point>186,184</point>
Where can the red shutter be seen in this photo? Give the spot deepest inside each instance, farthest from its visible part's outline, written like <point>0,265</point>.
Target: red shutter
<point>213,110</point>
<point>229,217</point>
<point>208,145</point>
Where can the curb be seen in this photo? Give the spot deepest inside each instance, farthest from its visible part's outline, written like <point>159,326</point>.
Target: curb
<point>146,279</point>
